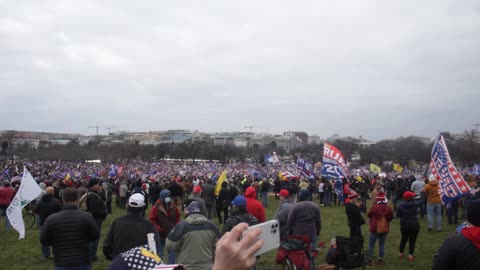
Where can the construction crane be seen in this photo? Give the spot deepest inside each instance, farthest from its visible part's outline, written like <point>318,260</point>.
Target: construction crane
<point>95,127</point>
<point>109,129</point>
<point>252,127</point>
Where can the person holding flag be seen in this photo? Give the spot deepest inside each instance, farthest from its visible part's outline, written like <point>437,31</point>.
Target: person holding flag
<point>28,191</point>
<point>433,203</point>
<point>6,196</point>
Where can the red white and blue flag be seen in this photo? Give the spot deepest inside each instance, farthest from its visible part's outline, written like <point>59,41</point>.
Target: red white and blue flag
<point>334,165</point>
<point>452,184</point>
<point>304,168</point>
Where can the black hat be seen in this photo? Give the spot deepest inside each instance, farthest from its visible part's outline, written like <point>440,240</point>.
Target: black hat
<point>93,182</point>
<point>473,213</point>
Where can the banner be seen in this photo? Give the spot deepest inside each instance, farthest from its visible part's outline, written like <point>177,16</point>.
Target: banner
<point>304,168</point>
<point>397,167</point>
<point>452,184</point>
<point>334,165</point>
<point>221,179</point>
<point>28,191</point>
<point>374,168</point>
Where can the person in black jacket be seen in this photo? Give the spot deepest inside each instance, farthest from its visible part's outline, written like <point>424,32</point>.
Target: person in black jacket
<point>238,214</point>
<point>354,215</point>
<point>409,225</point>
<point>47,206</point>
<point>223,201</point>
<point>121,237</point>
<point>96,206</point>
<point>208,194</point>
<point>462,251</point>
<point>70,232</point>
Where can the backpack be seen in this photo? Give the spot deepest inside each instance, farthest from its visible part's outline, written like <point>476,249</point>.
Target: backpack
<point>382,224</point>
<point>100,209</point>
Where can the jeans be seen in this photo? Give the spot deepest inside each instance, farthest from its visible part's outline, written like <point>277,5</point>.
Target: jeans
<point>381,244</point>
<point>3,212</point>
<point>264,196</point>
<point>45,249</point>
<point>209,210</point>
<point>94,244</point>
<point>327,199</point>
<point>452,213</point>
<point>433,209</point>
<point>313,246</point>
<point>170,256</point>
<point>81,267</point>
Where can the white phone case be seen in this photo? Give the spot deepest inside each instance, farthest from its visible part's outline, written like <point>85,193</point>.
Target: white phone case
<point>270,235</point>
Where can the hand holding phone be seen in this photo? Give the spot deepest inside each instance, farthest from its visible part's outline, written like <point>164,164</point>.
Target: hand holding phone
<point>270,235</point>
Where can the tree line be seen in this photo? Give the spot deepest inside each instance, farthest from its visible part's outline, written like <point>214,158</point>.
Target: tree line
<point>403,150</point>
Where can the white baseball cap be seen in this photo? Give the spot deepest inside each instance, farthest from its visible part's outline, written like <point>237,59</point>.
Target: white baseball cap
<point>136,200</point>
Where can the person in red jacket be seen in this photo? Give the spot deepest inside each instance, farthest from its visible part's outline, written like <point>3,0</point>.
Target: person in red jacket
<point>254,207</point>
<point>164,214</point>
<point>6,196</point>
<point>379,210</point>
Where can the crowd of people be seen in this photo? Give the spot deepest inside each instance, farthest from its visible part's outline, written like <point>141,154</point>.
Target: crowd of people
<point>186,210</point>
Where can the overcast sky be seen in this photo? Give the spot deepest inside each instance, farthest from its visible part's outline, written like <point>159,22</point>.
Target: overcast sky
<point>380,69</point>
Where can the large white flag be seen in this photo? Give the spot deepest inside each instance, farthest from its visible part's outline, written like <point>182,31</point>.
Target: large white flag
<point>28,191</point>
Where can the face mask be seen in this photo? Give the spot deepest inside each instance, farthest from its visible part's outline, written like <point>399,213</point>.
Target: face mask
<point>168,199</point>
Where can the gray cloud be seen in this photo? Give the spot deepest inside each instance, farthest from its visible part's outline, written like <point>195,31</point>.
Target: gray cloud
<point>373,68</point>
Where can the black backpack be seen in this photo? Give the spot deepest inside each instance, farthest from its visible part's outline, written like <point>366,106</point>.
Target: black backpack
<point>96,205</point>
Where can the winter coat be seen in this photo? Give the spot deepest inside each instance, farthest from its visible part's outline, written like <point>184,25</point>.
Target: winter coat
<point>254,207</point>
<point>96,204</point>
<point>164,217</point>
<point>431,192</point>
<point>6,196</point>
<point>208,193</point>
<point>236,218</point>
<point>461,251</point>
<point>376,212</point>
<point>304,219</point>
<point>127,232</point>
<point>354,215</point>
<point>193,241</point>
<point>46,206</point>
<point>282,216</point>
<point>224,199</point>
<point>70,232</point>
<point>407,212</point>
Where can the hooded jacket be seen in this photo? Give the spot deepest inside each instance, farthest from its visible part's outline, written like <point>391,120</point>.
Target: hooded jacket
<point>193,241</point>
<point>304,219</point>
<point>164,215</point>
<point>282,216</point>
<point>461,251</point>
<point>254,207</point>
<point>376,212</point>
<point>431,192</point>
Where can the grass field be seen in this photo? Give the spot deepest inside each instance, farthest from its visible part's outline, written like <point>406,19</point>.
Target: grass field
<point>25,254</point>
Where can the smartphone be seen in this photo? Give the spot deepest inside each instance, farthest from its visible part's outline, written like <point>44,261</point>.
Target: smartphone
<point>270,235</point>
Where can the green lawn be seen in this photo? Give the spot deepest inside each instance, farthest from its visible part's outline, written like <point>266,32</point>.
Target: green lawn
<point>25,254</point>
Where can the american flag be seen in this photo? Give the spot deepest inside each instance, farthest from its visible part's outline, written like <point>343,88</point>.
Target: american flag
<point>452,184</point>
<point>304,168</point>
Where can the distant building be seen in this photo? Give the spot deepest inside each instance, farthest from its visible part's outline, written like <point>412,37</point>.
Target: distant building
<point>299,135</point>
<point>314,139</point>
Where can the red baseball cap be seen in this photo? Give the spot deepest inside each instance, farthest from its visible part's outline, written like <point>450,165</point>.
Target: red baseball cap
<point>284,193</point>
<point>197,189</point>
